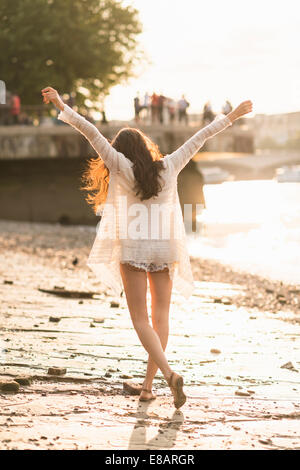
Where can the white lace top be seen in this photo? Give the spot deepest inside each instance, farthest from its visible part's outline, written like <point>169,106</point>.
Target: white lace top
<point>134,230</point>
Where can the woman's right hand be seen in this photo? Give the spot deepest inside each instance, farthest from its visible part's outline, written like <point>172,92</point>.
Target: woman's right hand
<point>244,108</point>
<point>51,95</point>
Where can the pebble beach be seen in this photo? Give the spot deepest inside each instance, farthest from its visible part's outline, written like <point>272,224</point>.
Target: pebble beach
<point>67,346</point>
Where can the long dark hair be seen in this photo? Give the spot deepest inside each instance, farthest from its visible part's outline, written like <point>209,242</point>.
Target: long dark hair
<point>147,165</point>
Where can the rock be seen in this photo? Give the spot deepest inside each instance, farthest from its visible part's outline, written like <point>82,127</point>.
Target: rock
<point>72,294</point>
<point>9,386</point>
<point>92,325</point>
<point>228,377</point>
<point>6,281</point>
<point>98,320</point>
<point>242,393</point>
<point>75,261</point>
<point>217,301</point>
<point>57,371</point>
<point>126,376</point>
<point>23,380</point>
<point>54,319</point>
<point>289,366</point>
<point>215,351</point>
<point>114,304</point>
<point>265,441</point>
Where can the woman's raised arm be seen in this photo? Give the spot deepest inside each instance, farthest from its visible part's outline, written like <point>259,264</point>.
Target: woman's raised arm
<point>183,154</point>
<point>109,155</point>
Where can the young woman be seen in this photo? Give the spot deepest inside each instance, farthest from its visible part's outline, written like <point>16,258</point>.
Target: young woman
<point>141,234</point>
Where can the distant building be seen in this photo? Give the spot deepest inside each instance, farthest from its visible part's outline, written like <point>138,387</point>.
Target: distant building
<point>279,128</point>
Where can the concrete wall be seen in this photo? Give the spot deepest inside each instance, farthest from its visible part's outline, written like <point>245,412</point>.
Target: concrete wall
<point>41,168</point>
<point>48,190</point>
<point>63,141</point>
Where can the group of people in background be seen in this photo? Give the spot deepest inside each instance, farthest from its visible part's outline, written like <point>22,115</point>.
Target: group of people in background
<point>159,109</point>
<point>209,115</point>
<point>10,112</point>
<point>162,109</point>
<point>151,109</point>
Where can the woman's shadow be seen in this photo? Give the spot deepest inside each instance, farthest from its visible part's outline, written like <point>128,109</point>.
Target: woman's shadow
<point>166,435</point>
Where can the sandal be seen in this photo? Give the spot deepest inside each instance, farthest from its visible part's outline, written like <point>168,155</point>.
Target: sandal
<point>132,388</point>
<point>175,383</point>
<point>147,399</point>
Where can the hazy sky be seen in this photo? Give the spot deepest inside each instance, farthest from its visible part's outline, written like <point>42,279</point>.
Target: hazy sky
<point>217,50</point>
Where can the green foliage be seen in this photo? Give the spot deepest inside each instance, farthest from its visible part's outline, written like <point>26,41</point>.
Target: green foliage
<point>67,44</point>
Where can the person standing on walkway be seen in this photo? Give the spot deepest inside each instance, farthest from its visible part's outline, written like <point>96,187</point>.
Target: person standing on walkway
<point>227,108</point>
<point>141,235</point>
<point>183,105</point>
<point>160,108</point>
<point>154,108</point>
<point>208,114</point>
<point>15,108</point>
<point>137,108</point>
<point>172,106</point>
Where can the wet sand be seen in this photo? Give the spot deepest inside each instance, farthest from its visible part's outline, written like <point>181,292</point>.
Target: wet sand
<point>230,341</point>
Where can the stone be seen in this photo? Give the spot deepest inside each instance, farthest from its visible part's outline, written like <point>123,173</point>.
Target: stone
<point>215,351</point>
<point>98,320</point>
<point>289,366</point>
<point>54,319</point>
<point>242,393</point>
<point>23,380</point>
<point>57,371</point>
<point>265,441</point>
<point>114,304</point>
<point>9,386</point>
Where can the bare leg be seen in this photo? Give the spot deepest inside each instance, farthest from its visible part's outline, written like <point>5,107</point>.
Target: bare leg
<point>161,289</point>
<point>135,286</point>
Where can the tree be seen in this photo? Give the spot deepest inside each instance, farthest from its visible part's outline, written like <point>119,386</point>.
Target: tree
<point>67,44</point>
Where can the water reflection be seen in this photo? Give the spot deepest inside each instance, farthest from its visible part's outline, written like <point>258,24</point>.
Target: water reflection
<point>252,225</point>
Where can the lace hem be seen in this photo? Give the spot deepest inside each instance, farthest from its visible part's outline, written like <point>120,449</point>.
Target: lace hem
<point>151,267</point>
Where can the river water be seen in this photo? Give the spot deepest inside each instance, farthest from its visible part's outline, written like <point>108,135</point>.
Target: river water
<point>253,226</point>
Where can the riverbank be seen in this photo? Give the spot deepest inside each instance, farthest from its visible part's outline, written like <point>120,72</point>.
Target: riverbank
<point>230,341</point>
